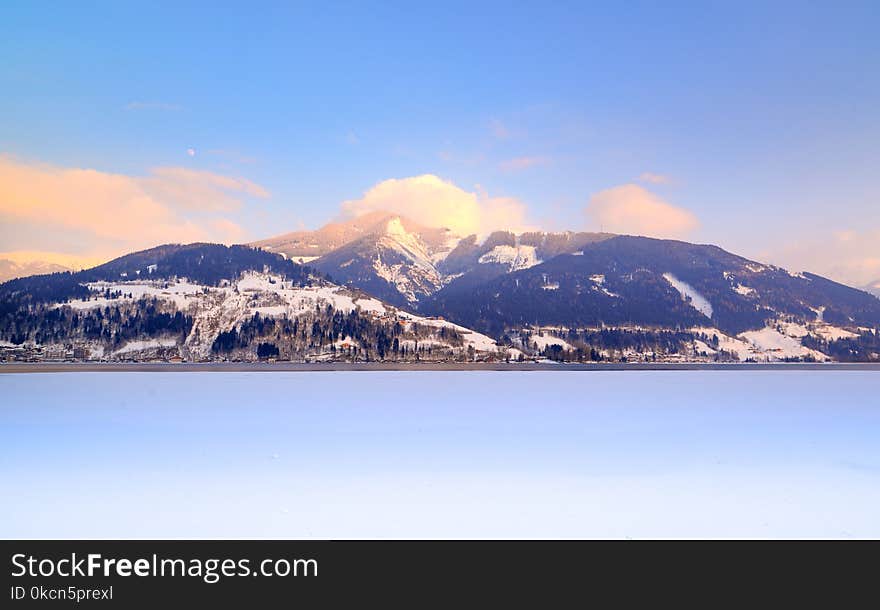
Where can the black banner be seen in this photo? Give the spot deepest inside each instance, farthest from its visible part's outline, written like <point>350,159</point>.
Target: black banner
<point>151,574</point>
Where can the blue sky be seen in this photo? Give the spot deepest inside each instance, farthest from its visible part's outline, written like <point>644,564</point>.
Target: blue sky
<point>760,120</point>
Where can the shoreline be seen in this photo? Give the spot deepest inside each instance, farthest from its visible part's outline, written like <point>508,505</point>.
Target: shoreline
<point>299,367</point>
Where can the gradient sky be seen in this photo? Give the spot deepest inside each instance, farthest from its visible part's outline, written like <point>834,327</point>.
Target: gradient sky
<point>755,126</point>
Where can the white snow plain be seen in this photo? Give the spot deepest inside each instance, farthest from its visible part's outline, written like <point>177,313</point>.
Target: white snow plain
<point>436,454</point>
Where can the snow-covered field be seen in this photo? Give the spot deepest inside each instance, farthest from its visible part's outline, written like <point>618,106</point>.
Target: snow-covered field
<point>441,454</point>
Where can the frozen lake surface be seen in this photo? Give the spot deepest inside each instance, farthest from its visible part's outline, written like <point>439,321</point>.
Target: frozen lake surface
<point>432,454</point>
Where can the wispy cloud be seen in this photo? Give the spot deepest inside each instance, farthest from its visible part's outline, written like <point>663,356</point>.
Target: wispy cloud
<point>521,163</point>
<point>498,129</point>
<point>138,105</point>
<point>651,178</point>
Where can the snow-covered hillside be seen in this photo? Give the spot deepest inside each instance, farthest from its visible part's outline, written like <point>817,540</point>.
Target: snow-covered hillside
<point>216,309</point>
<point>778,342</point>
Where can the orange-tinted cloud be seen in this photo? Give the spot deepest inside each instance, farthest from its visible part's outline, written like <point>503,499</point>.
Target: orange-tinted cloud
<point>434,202</point>
<point>632,209</point>
<point>116,213</point>
<point>199,190</point>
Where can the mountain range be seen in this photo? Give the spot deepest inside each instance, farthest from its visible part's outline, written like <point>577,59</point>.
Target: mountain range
<point>403,262</point>
<point>573,279</point>
<point>382,287</point>
<point>11,269</point>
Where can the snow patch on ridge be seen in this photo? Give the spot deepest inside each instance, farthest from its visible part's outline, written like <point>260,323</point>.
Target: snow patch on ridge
<point>515,257</point>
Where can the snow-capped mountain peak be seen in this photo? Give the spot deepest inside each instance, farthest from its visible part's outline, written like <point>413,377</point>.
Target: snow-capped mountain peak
<point>402,259</point>
<point>388,255</point>
<point>395,227</point>
<point>404,262</point>
<point>407,244</point>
